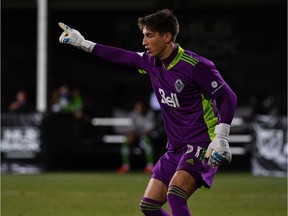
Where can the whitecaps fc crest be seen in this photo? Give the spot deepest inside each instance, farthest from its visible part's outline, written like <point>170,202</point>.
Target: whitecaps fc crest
<point>179,85</point>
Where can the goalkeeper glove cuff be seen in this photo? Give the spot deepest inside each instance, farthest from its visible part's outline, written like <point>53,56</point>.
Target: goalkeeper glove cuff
<point>222,130</point>
<point>87,45</point>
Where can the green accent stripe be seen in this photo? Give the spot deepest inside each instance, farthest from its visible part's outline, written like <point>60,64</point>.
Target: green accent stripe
<point>202,156</point>
<point>142,71</point>
<point>209,116</point>
<point>189,59</point>
<point>177,58</point>
<point>144,205</point>
<point>177,192</point>
<point>182,56</point>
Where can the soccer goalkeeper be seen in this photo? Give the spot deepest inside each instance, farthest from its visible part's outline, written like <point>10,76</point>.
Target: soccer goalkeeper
<point>187,87</point>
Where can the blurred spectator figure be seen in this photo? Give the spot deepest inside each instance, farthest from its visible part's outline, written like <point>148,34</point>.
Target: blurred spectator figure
<point>265,105</point>
<point>76,103</point>
<point>21,103</point>
<point>67,100</point>
<point>155,106</point>
<point>139,133</point>
<point>61,99</point>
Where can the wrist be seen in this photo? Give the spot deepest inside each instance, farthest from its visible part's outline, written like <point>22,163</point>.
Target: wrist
<point>222,130</point>
<point>87,45</point>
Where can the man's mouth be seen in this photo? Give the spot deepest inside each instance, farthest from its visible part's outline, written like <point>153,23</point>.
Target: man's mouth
<point>148,50</point>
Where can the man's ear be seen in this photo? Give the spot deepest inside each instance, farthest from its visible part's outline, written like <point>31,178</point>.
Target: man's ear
<point>168,37</point>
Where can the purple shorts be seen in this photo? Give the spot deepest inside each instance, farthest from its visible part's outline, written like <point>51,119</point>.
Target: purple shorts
<point>191,159</point>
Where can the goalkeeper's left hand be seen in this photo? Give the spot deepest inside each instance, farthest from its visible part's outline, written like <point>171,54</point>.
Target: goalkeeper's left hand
<point>218,150</point>
<point>73,37</point>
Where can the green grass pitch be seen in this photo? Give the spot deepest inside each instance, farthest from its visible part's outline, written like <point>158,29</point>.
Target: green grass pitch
<point>109,194</point>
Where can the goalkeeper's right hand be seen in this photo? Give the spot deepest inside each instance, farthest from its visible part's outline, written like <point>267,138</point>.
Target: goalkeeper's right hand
<point>73,37</point>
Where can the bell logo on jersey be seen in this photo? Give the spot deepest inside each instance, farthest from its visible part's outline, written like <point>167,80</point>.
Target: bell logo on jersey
<point>170,100</point>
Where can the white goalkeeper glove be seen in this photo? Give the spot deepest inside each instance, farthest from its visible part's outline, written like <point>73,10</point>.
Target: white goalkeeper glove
<point>73,37</point>
<point>218,150</point>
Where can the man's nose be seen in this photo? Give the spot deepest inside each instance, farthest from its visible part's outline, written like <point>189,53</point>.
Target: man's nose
<point>144,42</point>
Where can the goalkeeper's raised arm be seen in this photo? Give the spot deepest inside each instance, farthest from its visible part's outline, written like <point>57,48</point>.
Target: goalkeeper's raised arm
<point>109,53</point>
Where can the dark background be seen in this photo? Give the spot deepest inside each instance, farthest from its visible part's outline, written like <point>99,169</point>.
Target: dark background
<point>247,40</point>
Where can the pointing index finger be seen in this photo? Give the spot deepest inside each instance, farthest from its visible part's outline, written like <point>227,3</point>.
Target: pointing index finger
<point>64,27</point>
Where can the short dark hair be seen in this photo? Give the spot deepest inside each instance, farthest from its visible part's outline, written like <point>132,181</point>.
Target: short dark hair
<point>162,21</point>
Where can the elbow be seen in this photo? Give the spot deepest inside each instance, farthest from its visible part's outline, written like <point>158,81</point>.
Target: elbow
<point>230,98</point>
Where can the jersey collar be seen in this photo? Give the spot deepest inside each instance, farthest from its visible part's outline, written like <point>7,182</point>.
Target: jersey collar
<point>179,51</point>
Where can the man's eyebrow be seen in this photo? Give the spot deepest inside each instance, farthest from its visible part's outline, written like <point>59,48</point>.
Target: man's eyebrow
<point>147,33</point>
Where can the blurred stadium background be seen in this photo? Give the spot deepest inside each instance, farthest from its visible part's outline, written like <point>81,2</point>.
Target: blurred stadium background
<point>247,40</point>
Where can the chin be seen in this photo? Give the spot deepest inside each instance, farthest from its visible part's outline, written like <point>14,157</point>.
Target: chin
<point>152,55</point>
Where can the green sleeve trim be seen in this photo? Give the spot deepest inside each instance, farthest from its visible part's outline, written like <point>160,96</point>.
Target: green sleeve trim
<point>142,71</point>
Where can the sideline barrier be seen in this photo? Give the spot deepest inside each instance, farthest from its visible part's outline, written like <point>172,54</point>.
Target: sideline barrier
<point>21,149</point>
<point>35,142</point>
<point>270,151</point>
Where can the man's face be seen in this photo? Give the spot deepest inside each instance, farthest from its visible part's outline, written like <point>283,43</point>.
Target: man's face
<point>154,43</point>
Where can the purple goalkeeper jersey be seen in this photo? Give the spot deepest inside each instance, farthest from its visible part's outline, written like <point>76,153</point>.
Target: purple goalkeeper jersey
<point>186,86</point>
